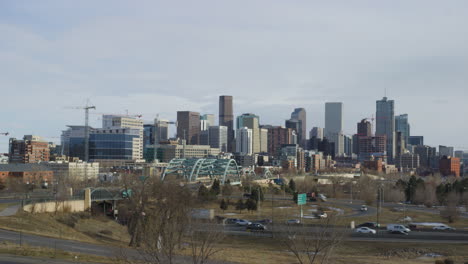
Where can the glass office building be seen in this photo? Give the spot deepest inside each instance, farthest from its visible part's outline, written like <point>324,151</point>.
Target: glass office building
<point>116,144</point>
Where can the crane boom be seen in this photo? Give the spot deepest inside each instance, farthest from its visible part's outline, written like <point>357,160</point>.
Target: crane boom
<point>86,139</point>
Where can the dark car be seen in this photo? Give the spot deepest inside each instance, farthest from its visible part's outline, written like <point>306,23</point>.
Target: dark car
<point>264,221</point>
<point>256,227</point>
<point>369,224</point>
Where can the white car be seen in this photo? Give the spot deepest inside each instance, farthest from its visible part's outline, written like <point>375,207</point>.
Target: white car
<point>443,227</point>
<point>365,230</point>
<point>242,222</point>
<point>323,215</point>
<point>293,222</point>
<point>364,208</point>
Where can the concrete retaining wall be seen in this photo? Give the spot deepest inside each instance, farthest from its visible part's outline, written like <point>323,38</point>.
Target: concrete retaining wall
<point>52,207</point>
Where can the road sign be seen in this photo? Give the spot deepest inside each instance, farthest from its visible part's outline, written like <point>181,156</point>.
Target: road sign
<point>301,198</point>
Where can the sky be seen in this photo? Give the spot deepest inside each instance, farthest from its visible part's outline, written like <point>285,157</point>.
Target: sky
<point>158,57</point>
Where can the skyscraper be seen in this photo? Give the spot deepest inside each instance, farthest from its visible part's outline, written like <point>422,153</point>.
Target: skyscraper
<point>217,137</point>
<point>385,119</point>
<point>251,121</point>
<point>206,121</point>
<point>316,132</point>
<point>364,128</point>
<point>334,125</point>
<point>226,118</point>
<point>188,127</point>
<point>300,115</point>
<point>244,141</point>
<point>402,125</point>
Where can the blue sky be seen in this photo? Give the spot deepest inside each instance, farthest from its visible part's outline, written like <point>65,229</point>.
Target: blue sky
<point>157,57</point>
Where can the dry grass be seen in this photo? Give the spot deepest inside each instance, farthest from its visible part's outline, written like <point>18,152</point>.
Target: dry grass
<point>47,253</point>
<point>84,229</point>
<point>266,250</point>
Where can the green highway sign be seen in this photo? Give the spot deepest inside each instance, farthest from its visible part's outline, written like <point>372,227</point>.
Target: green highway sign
<point>301,198</point>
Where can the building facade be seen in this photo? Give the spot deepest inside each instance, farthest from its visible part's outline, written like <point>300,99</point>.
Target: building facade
<point>251,121</point>
<point>188,127</point>
<point>73,171</point>
<point>301,115</point>
<point>166,152</point>
<point>385,124</point>
<point>244,141</point>
<point>31,149</point>
<point>217,137</point>
<point>334,125</point>
<point>226,118</point>
<point>449,166</point>
<point>278,136</point>
<point>402,125</point>
<point>119,122</point>
<point>114,144</point>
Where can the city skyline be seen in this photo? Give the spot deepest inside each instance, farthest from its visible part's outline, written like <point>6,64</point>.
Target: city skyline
<point>59,59</point>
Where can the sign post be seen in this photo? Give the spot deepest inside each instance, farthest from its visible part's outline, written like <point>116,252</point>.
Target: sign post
<point>301,200</point>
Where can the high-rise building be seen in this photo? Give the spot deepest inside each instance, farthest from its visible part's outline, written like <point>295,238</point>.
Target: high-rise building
<point>251,121</point>
<point>416,140</point>
<point>373,146</point>
<point>426,154</point>
<point>402,125</point>
<point>263,140</point>
<point>348,145</point>
<point>217,137</point>
<point>316,132</point>
<point>334,125</point>
<point>162,129</point>
<point>364,128</point>
<point>399,144</point>
<point>445,151</point>
<point>116,122</point>
<point>278,136</point>
<point>226,118</point>
<point>385,119</point>
<point>148,135</point>
<point>188,127</point>
<point>206,121</point>
<point>114,144</point>
<point>32,149</point>
<point>300,115</point>
<point>244,144</point>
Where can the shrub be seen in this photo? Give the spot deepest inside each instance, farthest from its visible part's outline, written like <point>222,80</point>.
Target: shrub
<point>448,261</point>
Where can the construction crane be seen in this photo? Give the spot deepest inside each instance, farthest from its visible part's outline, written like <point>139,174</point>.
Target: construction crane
<point>125,115</point>
<point>5,134</point>
<point>86,108</point>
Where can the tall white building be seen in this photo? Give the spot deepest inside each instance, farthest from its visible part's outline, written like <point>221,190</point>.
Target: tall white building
<point>244,141</point>
<point>334,125</point>
<point>116,121</point>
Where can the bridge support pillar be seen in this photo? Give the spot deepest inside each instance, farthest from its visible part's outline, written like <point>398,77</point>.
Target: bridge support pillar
<point>87,199</point>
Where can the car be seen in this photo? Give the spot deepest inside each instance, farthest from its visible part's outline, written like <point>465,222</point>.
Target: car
<point>322,197</point>
<point>256,227</point>
<point>322,215</point>
<point>242,222</point>
<point>364,208</point>
<point>293,222</point>
<point>443,227</point>
<point>369,224</point>
<point>247,195</point>
<point>365,230</point>
<point>397,228</point>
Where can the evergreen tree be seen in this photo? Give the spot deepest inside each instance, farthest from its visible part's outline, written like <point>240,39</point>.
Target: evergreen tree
<point>292,185</point>
<point>240,205</point>
<point>251,205</point>
<point>223,205</point>
<point>215,187</point>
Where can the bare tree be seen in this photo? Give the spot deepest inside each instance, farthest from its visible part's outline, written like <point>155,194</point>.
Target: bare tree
<point>204,239</point>
<point>313,245</point>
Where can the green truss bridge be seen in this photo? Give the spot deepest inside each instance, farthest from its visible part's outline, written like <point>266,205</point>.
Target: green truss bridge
<point>193,170</point>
